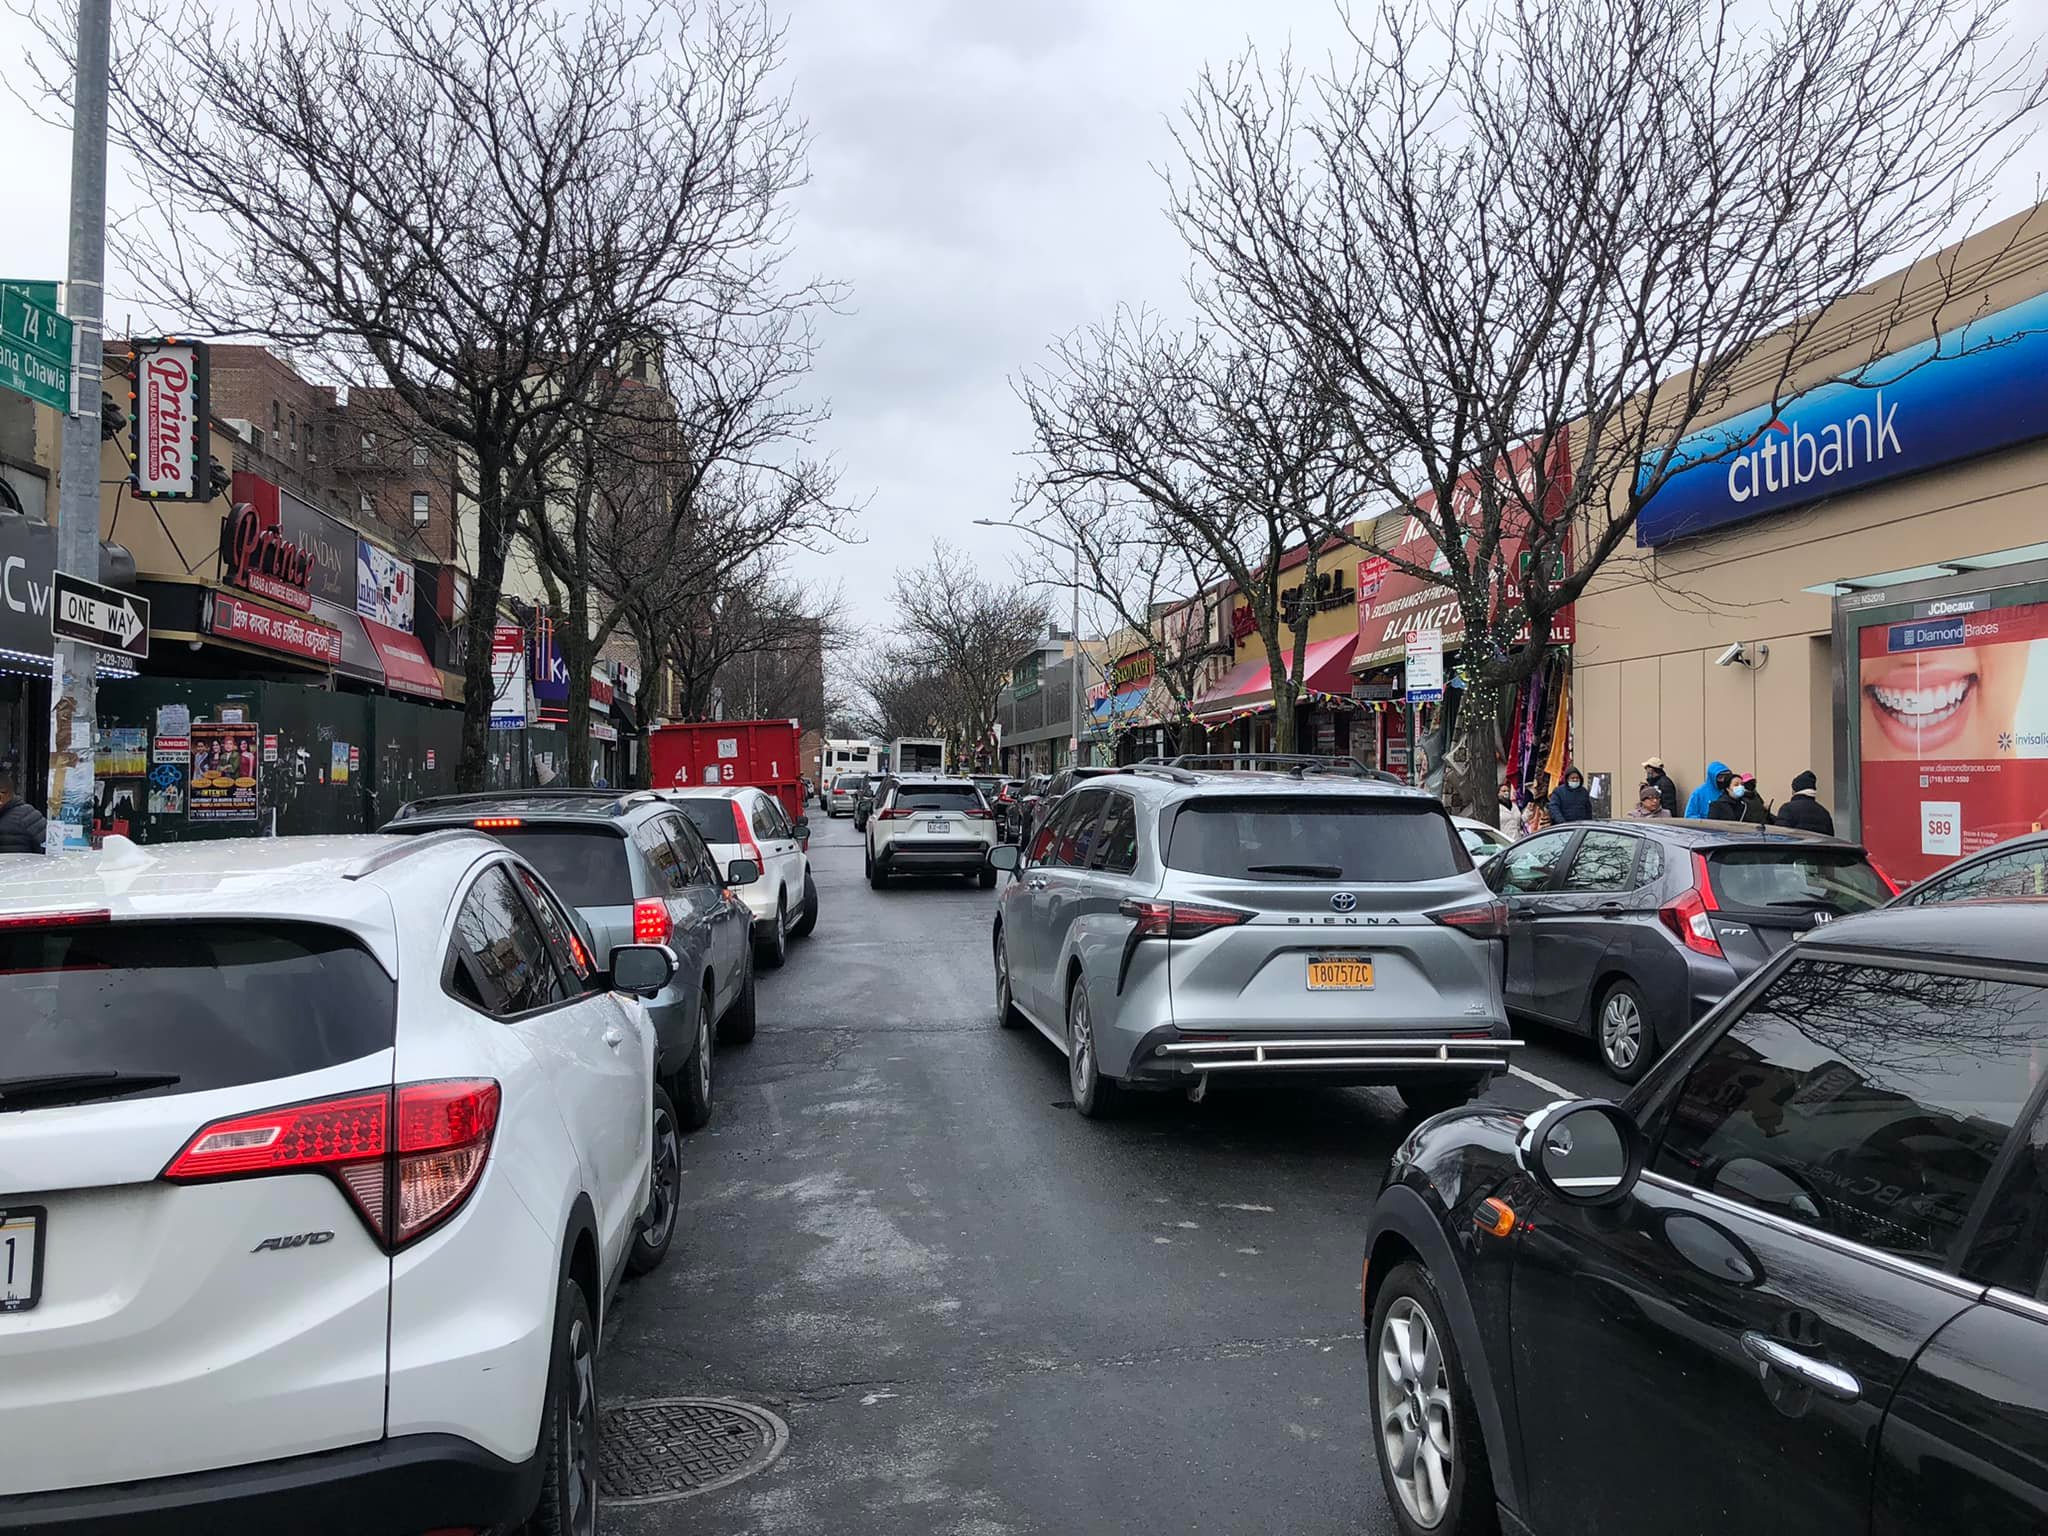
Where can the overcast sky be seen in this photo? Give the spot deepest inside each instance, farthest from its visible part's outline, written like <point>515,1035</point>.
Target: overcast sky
<point>984,177</point>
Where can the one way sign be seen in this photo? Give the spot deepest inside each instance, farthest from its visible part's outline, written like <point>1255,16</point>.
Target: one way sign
<point>113,621</point>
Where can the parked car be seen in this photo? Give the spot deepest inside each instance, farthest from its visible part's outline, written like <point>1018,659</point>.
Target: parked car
<point>2016,868</point>
<point>1790,1283</point>
<point>1007,804</point>
<point>1481,840</point>
<point>845,787</point>
<point>635,870</point>
<point>864,803</point>
<point>1054,790</point>
<point>1629,931</point>
<point>322,1156</point>
<point>1166,926</point>
<point>750,824</point>
<point>930,826</point>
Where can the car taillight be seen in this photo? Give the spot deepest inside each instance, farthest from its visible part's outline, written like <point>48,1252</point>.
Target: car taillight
<point>979,812</point>
<point>1482,919</point>
<point>71,917</point>
<point>426,1170</point>
<point>749,849</point>
<point>1180,919</point>
<point>651,924</point>
<point>897,813</point>
<point>496,823</point>
<point>1688,921</point>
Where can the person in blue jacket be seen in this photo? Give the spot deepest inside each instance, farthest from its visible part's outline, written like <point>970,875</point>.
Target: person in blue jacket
<point>1696,804</point>
<point>1569,801</point>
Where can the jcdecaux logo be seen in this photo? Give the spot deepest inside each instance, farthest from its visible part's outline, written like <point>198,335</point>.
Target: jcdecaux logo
<point>1787,455</point>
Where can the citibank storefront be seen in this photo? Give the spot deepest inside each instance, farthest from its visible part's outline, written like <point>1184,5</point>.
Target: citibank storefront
<point>1854,581</point>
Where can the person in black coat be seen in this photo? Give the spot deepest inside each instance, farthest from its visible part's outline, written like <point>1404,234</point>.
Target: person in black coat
<point>21,824</point>
<point>1725,805</point>
<point>1569,801</point>
<point>1667,792</point>
<point>1804,810</point>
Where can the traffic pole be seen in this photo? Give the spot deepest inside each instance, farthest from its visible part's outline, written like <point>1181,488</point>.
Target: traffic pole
<point>73,691</point>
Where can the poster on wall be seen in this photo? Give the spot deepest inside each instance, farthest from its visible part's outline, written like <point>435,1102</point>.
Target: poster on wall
<point>337,763</point>
<point>167,790</point>
<point>123,752</point>
<point>224,768</point>
<point>383,586</point>
<point>1952,723</point>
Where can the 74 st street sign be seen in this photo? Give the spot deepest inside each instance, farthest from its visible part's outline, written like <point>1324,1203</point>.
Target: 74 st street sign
<point>113,621</point>
<point>35,345</point>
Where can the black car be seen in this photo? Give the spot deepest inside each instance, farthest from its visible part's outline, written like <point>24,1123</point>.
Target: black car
<point>2016,868</point>
<point>1792,1283</point>
<point>872,788</point>
<point>1048,797</point>
<point>1629,931</point>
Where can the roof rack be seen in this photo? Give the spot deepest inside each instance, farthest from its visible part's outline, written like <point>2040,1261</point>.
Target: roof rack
<point>1299,764</point>
<point>540,792</point>
<point>383,858</point>
<point>1163,770</point>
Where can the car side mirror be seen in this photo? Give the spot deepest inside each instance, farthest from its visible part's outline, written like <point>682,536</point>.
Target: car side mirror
<point>803,829</point>
<point>1005,856</point>
<point>742,872</point>
<point>1495,872</point>
<point>1583,1151</point>
<point>642,969</point>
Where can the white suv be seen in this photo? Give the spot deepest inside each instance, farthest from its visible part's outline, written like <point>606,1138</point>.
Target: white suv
<point>748,823</point>
<point>319,1158</point>
<point>931,826</point>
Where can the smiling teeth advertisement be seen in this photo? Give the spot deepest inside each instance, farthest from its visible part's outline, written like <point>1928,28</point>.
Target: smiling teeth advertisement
<point>1953,721</point>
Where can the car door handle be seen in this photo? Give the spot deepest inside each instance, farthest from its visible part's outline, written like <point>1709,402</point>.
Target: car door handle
<point>1611,909</point>
<point>1036,883</point>
<point>615,1037</point>
<point>1828,1380</point>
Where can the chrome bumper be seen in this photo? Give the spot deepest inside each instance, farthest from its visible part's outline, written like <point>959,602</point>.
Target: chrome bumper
<point>1334,1052</point>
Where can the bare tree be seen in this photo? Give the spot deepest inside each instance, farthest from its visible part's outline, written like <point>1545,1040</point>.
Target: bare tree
<point>965,633</point>
<point>1537,245</point>
<point>1225,440</point>
<point>479,205</point>
<point>896,697</point>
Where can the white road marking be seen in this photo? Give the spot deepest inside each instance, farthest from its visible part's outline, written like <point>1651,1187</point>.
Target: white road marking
<point>875,1397</point>
<point>1542,1082</point>
<point>1267,1209</point>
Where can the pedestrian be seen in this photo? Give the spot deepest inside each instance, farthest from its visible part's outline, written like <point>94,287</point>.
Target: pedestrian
<point>1510,813</point>
<point>1667,792</point>
<point>1755,809</point>
<point>1804,810</point>
<point>21,824</point>
<point>1727,802</point>
<point>1649,803</point>
<point>1698,804</point>
<point>1569,801</point>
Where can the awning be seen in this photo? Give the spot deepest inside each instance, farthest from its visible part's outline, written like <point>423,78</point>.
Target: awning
<point>622,714</point>
<point>1119,707</point>
<point>1249,685</point>
<point>406,667</point>
<point>358,656</point>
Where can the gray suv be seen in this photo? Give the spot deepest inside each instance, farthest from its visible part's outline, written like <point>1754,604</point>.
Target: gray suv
<point>1166,925</point>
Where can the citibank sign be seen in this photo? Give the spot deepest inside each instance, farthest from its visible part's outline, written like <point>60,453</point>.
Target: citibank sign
<point>1972,390</point>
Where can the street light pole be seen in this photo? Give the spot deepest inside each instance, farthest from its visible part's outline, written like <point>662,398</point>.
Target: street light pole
<point>73,691</point>
<point>1074,671</point>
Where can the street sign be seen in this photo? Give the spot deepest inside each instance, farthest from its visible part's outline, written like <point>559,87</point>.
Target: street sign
<point>1425,671</point>
<point>35,345</point>
<point>113,621</point>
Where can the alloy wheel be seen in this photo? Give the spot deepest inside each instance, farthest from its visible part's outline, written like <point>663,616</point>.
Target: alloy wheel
<point>1080,1046</point>
<point>582,1479</point>
<point>1002,979</point>
<point>704,1054</point>
<point>1417,1439</point>
<point>1621,1030</point>
<point>668,1178</point>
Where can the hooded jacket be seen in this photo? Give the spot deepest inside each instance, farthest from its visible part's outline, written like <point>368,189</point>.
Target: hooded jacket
<point>21,827</point>
<point>1568,804</point>
<point>1698,805</point>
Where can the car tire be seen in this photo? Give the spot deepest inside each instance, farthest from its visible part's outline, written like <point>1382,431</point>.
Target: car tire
<point>807,919</point>
<point>1006,1001</point>
<point>1096,1096</point>
<point>775,952</point>
<point>743,1018</point>
<point>987,878</point>
<point>693,1095</point>
<point>570,1424</point>
<point>1432,1416</point>
<point>876,879</point>
<point>1623,1033</point>
<point>657,1227</point>
<point>1433,1098</point>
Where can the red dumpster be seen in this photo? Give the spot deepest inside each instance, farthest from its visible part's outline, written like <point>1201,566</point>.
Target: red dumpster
<point>724,753</point>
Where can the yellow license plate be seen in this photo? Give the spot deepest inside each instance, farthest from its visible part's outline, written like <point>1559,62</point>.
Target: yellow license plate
<point>1339,975</point>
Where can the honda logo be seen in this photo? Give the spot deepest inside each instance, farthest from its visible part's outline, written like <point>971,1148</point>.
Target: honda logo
<point>1822,917</point>
<point>1343,901</point>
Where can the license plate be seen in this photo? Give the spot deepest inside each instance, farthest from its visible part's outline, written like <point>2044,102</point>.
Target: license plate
<point>1340,975</point>
<point>21,1257</point>
<point>938,826</point>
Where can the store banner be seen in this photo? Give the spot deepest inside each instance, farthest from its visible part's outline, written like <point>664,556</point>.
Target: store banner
<point>1952,726</point>
<point>1394,604</point>
<point>292,541</point>
<point>168,408</point>
<point>28,555</point>
<point>292,634</point>
<point>225,759</point>
<point>1972,390</point>
<point>384,586</point>
<point>550,671</point>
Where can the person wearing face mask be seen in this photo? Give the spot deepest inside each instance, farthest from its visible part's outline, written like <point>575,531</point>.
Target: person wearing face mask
<point>1569,801</point>
<point>1699,805</point>
<point>1755,809</point>
<point>1726,804</point>
<point>1510,813</point>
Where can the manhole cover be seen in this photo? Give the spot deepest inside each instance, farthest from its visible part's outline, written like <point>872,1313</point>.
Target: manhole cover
<point>673,1447</point>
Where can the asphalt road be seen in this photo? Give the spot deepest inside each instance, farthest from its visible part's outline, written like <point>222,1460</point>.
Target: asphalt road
<point>979,1313</point>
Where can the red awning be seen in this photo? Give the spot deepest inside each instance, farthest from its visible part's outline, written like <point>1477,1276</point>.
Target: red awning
<point>1249,685</point>
<point>406,667</point>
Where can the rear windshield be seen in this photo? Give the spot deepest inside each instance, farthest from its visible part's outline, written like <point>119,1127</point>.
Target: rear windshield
<point>212,1004</point>
<point>1360,842</point>
<point>938,797</point>
<point>586,865</point>
<point>849,781</point>
<point>713,818</point>
<point>1838,879</point>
